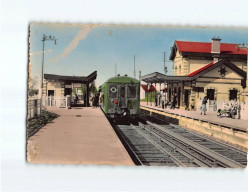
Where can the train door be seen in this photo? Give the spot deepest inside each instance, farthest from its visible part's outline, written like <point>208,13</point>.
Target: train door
<point>123,102</point>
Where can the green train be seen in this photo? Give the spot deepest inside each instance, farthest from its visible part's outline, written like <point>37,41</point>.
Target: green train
<point>120,97</point>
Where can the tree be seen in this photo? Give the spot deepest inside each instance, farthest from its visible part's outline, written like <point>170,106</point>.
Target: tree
<point>92,88</point>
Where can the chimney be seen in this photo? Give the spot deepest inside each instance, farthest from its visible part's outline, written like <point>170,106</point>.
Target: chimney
<point>215,49</point>
<point>215,45</point>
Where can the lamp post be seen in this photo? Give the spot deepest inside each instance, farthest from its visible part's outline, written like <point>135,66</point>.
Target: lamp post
<point>45,38</point>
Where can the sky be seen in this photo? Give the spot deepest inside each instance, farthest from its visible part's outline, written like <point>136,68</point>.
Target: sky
<point>82,49</point>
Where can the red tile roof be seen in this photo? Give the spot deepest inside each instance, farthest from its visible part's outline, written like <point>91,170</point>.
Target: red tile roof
<point>200,70</point>
<point>203,47</point>
<point>152,88</point>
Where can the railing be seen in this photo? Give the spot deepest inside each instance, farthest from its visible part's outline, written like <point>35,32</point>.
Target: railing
<point>57,101</point>
<point>34,108</point>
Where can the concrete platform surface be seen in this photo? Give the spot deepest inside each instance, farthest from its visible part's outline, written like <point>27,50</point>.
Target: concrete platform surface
<point>210,116</point>
<point>77,136</point>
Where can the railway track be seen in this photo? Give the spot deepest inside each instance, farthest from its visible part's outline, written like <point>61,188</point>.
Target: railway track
<point>153,142</point>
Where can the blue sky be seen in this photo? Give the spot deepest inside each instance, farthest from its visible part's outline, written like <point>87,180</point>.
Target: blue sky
<point>104,45</point>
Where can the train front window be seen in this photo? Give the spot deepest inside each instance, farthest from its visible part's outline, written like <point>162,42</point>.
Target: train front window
<point>112,91</point>
<point>131,91</point>
<point>123,91</point>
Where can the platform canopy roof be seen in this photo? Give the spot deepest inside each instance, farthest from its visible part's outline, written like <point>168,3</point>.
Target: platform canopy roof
<point>73,79</point>
<point>157,77</point>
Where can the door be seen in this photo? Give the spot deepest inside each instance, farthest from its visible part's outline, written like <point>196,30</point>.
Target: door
<point>50,92</point>
<point>186,98</point>
<point>179,96</point>
<point>210,94</point>
<point>68,91</point>
<point>233,94</point>
<point>123,96</point>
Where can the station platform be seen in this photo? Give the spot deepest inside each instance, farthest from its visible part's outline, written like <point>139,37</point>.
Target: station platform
<point>210,117</point>
<point>230,131</point>
<point>81,135</point>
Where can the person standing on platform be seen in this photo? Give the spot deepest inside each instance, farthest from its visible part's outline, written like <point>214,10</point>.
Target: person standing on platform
<point>204,105</point>
<point>235,108</point>
<point>156,100</point>
<point>163,100</point>
<point>174,102</point>
<point>75,100</point>
<point>159,100</point>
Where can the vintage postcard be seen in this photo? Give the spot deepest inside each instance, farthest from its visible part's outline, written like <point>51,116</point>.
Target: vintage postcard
<point>137,95</point>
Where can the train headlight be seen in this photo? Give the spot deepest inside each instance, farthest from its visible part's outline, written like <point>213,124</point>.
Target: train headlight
<point>115,101</point>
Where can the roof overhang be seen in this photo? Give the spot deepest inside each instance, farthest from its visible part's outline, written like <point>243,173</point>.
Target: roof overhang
<point>73,79</point>
<point>157,77</point>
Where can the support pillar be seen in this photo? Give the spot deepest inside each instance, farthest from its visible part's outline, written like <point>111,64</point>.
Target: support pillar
<point>87,95</point>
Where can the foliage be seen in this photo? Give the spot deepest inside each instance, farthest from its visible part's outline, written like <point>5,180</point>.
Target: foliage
<point>32,92</point>
<point>92,88</point>
<point>35,123</point>
<point>151,97</point>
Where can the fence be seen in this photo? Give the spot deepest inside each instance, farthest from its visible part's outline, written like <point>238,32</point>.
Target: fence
<point>34,108</point>
<point>57,101</point>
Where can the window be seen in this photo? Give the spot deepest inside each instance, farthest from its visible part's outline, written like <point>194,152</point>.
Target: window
<point>131,91</point>
<point>198,89</point>
<point>112,91</point>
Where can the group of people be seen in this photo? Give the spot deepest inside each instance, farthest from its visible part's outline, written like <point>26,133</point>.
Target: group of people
<point>230,108</point>
<point>95,100</point>
<point>160,101</point>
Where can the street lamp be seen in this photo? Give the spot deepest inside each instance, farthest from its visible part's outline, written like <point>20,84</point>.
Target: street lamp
<point>45,38</point>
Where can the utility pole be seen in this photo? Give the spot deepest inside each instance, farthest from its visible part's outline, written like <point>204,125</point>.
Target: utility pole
<point>45,38</point>
<point>165,68</point>
<point>115,69</point>
<point>134,71</point>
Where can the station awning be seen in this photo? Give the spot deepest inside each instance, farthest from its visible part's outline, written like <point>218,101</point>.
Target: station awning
<point>157,77</point>
<point>73,79</point>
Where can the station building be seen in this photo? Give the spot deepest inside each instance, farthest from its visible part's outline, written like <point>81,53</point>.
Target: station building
<point>213,69</point>
<point>60,86</point>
